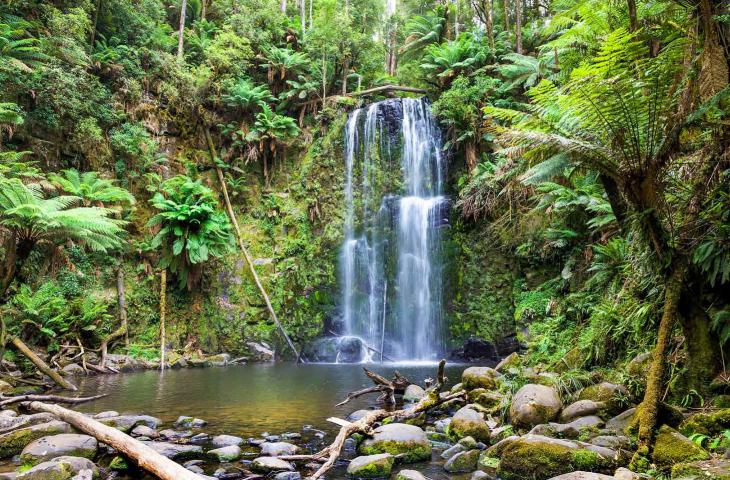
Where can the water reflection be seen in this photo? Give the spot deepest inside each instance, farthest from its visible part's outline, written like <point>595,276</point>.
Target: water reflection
<point>246,400</point>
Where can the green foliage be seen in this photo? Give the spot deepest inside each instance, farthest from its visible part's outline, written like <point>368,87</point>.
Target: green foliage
<point>245,95</point>
<point>192,228</point>
<point>448,59</point>
<point>90,188</point>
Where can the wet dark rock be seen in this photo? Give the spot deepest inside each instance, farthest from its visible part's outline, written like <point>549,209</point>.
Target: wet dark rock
<point>170,434</point>
<point>476,349</point>
<point>199,439</point>
<point>345,349</point>
<point>272,438</point>
<point>260,352</point>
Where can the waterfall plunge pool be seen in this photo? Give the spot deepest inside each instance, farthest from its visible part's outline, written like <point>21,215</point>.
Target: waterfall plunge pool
<point>249,400</point>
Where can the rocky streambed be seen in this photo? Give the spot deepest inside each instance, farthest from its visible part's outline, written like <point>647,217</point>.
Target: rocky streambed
<point>510,422</point>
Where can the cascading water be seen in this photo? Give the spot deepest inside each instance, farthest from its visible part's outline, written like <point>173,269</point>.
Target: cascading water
<point>391,262</point>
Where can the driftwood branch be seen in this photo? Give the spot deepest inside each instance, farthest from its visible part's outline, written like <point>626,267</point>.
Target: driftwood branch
<point>387,88</point>
<point>47,398</point>
<point>141,454</point>
<point>387,388</point>
<point>331,453</point>
<point>41,365</point>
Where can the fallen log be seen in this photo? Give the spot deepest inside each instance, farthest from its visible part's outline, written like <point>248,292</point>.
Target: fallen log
<point>331,453</point>
<point>387,88</point>
<point>41,365</point>
<point>141,454</point>
<point>47,398</point>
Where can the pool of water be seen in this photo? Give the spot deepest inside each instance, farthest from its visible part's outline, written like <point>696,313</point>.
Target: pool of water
<point>248,400</point>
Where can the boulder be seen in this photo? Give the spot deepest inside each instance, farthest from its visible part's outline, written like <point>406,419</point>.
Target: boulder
<point>469,423</point>
<point>715,469</point>
<point>463,462</point>
<point>174,435</point>
<point>277,449</point>
<point>144,431</point>
<point>510,361</point>
<point>534,404</point>
<point>8,422</point>
<point>621,422</point>
<point>371,466</point>
<point>12,443</point>
<point>583,476</point>
<point>639,365</point>
<point>226,454</point>
<point>413,393</point>
<point>452,450</point>
<point>126,423</point>
<point>73,369</point>
<point>270,464</point>
<point>260,352</point>
<point>219,360</point>
<point>488,399</point>
<point>626,474</point>
<point>540,458</point>
<point>357,415</point>
<point>124,363</point>
<point>481,475</point>
<point>64,444</point>
<point>581,408</point>
<point>226,440</point>
<point>442,425</point>
<point>710,423</point>
<point>176,451</point>
<point>410,475</point>
<point>408,441</point>
<point>672,447</point>
<point>495,451</point>
<point>106,414</point>
<point>612,395</point>
<point>477,349</point>
<point>61,468</point>
<point>288,476</point>
<point>614,442</point>
<point>479,377</point>
<point>189,422</point>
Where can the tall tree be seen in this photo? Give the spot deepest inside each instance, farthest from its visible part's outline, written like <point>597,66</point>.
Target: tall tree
<point>181,30</point>
<point>518,26</point>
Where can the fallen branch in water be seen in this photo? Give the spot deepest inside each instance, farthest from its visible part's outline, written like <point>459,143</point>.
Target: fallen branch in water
<point>387,388</point>
<point>47,398</point>
<point>141,454</point>
<point>331,453</point>
<point>41,365</point>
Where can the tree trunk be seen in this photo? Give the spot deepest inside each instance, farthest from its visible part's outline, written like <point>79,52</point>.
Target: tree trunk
<point>95,23</point>
<point>633,18</point>
<point>506,15</point>
<point>649,408</point>
<point>282,6</point>
<point>618,204</point>
<point>303,15</point>
<point>144,456</point>
<point>41,365</point>
<point>311,21</point>
<point>122,300</point>
<point>490,22</point>
<point>518,26</point>
<point>181,31</point>
<point>345,71</point>
<point>8,268</point>
<point>163,290</point>
<point>702,352</point>
<point>244,250</point>
<point>203,9</point>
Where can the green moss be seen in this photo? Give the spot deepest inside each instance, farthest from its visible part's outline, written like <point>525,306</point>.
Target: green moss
<point>712,469</point>
<point>542,460</point>
<point>119,464</point>
<point>671,447</point>
<point>410,451</point>
<point>711,423</point>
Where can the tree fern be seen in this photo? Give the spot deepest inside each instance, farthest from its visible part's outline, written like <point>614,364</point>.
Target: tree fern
<point>90,188</point>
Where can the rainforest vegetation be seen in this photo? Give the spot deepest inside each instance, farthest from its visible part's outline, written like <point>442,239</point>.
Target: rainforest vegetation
<point>172,186</point>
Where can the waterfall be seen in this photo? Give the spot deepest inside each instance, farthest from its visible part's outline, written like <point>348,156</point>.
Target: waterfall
<point>395,209</point>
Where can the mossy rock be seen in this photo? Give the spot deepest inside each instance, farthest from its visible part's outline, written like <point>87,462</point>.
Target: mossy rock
<point>60,468</point>
<point>488,464</point>
<point>119,464</point>
<point>371,466</point>
<point>671,447</point>
<point>572,360</point>
<point>409,442</point>
<point>540,458</point>
<point>490,400</point>
<point>614,396</point>
<point>467,422</point>
<point>462,462</point>
<point>12,443</point>
<point>479,377</point>
<point>711,423</point>
<point>716,469</point>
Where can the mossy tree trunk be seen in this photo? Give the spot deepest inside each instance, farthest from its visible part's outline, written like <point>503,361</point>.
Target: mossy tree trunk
<point>163,306</point>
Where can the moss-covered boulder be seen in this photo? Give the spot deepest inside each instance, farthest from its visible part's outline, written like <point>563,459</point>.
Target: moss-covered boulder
<point>371,466</point>
<point>489,399</point>
<point>711,423</point>
<point>12,443</point>
<point>68,444</point>
<point>467,422</point>
<point>410,475</point>
<point>488,464</point>
<point>462,462</point>
<point>479,377</point>
<point>409,441</point>
<point>413,393</point>
<point>534,404</point>
<point>540,458</point>
<point>61,468</point>
<point>671,447</point>
<point>226,454</point>
<point>716,469</point>
<point>508,362</point>
<point>613,396</point>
